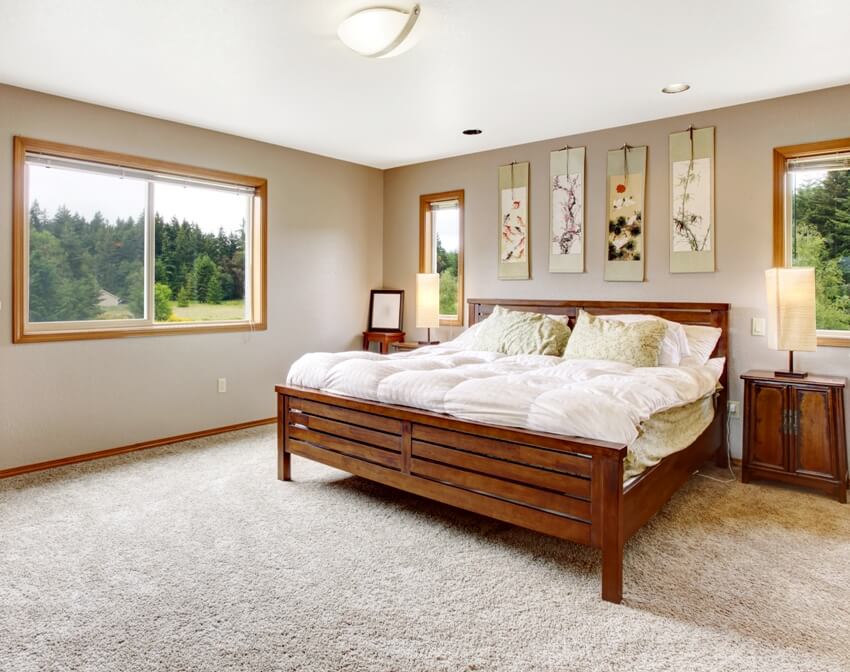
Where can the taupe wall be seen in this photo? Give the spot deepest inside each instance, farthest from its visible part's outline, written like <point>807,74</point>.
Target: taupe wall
<point>745,135</point>
<point>325,233</point>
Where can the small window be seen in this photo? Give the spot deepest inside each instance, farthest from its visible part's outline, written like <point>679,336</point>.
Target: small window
<point>109,245</point>
<point>814,227</point>
<point>441,250</point>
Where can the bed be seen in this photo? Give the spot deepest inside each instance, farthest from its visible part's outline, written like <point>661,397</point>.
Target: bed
<point>565,486</point>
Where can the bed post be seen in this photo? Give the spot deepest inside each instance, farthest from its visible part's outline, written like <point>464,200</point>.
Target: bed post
<point>720,318</point>
<point>284,472</point>
<point>607,501</point>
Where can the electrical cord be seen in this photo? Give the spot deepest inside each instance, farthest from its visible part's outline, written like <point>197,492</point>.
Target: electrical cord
<point>728,457</point>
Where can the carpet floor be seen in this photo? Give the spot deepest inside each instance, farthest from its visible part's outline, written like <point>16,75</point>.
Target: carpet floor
<point>194,557</point>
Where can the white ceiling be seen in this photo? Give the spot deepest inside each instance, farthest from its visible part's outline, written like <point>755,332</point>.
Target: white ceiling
<point>274,70</point>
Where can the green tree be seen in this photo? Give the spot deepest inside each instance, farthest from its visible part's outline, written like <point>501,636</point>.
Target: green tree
<point>214,291</point>
<point>161,302</point>
<point>833,303</point>
<point>184,296</point>
<point>203,271</point>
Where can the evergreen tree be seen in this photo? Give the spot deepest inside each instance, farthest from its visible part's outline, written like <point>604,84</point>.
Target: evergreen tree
<point>184,296</point>
<point>162,302</point>
<point>214,292</point>
<point>202,273</point>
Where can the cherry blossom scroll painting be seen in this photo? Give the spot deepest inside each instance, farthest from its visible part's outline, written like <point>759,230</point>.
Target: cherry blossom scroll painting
<point>566,214</point>
<point>692,201</point>
<point>626,224</point>
<point>514,225</point>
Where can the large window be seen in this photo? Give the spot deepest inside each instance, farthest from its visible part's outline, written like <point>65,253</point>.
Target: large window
<point>441,250</point>
<point>109,245</point>
<point>812,226</point>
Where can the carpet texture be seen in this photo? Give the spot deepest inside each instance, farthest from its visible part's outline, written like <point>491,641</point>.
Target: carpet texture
<point>194,557</point>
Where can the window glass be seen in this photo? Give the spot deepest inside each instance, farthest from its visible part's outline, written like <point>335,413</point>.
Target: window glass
<point>445,218</point>
<point>819,231</point>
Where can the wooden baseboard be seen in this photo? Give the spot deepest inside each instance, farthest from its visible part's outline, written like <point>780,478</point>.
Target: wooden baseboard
<point>86,457</point>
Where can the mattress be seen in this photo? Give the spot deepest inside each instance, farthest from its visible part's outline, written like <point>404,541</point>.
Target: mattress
<point>594,399</point>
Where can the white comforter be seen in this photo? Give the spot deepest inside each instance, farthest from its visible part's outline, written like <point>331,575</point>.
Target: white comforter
<point>588,398</point>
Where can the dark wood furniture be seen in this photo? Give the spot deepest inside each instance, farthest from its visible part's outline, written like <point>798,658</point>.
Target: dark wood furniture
<point>568,487</point>
<point>382,338</point>
<point>794,431</point>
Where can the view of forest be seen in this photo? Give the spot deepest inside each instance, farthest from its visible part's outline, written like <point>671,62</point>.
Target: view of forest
<point>822,240</point>
<point>94,269</point>
<point>447,268</point>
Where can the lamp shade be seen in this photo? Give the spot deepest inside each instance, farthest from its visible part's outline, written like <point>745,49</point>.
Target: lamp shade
<point>791,309</point>
<point>427,300</point>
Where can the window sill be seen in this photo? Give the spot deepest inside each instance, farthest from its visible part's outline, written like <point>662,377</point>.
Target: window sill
<point>834,339</point>
<point>129,332</point>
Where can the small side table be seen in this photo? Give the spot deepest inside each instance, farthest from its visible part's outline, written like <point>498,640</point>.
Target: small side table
<point>794,431</point>
<point>405,345</point>
<point>382,338</point>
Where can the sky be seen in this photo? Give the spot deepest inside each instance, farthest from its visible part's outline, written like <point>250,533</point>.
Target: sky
<point>86,193</point>
<point>446,225</point>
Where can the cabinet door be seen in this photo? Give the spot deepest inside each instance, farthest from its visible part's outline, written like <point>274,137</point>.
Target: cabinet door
<point>814,440</point>
<point>766,431</point>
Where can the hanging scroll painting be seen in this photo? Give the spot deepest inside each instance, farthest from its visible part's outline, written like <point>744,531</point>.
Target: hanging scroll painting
<point>626,189</point>
<point>566,210</point>
<point>514,224</point>
<point>692,201</point>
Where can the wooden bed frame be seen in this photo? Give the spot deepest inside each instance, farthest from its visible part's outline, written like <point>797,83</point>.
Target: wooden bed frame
<point>564,486</point>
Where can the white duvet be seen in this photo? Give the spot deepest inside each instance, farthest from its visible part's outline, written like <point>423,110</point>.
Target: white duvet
<point>589,398</point>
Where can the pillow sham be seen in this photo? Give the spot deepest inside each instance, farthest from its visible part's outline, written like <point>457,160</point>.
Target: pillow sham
<point>674,347</point>
<point>702,341</point>
<point>514,332</point>
<point>635,343</point>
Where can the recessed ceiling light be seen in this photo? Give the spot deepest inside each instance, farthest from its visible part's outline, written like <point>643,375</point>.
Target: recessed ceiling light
<point>377,31</point>
<point>473,131</point>
<point>676,88</point>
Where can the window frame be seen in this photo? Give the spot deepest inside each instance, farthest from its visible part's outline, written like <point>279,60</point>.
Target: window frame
<point>425,242</point>
<point>256,275</point>
<point>781,155</point>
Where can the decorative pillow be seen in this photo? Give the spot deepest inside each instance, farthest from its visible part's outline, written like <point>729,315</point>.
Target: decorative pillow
<point>635,343</point>
<point>674,347</point>
<point>514,332</point>
<point>701,341</point>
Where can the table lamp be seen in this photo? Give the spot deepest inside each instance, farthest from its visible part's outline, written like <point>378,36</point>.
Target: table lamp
<point>791,313</point>
<point>428,303</point>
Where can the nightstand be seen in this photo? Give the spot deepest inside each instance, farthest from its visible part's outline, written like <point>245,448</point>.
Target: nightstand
<point>794,431</point>
<point>382,338</point>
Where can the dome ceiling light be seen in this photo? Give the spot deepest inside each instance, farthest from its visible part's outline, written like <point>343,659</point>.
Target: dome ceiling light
<point>679,87</point>
<point>377,31</point>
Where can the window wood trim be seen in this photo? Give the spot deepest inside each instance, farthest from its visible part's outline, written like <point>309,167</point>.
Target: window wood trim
<point>259,241</point>
<point>425,238</point>
<point>780,160</point>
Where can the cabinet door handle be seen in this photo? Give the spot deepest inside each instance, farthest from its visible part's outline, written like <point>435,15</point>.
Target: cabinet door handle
<point>784,429</point>
<point>796,429</point>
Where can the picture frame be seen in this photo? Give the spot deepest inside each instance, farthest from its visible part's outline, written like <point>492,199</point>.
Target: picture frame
<point>625,244</point>
<point>514,222</point>
<point>386,310</point>
<point>566,210</point>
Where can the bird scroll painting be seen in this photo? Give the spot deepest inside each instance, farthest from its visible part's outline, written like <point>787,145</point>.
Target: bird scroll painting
<point>625,192</point>
<point>514,225</point>
<point>566,214</point>
<point>692,201</point>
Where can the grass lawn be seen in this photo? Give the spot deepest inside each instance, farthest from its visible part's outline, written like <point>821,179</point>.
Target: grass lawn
<point>209,312</point>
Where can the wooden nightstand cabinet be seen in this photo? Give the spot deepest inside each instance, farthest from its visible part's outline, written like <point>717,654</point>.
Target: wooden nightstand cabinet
<point>794,431</point>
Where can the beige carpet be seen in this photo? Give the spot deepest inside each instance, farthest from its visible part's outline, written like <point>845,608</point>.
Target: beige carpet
<point>193,557</point>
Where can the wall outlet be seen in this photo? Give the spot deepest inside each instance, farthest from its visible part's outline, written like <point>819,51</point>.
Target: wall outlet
<point>222,385</point>
<point>759,327</point>
<point>734,409</point>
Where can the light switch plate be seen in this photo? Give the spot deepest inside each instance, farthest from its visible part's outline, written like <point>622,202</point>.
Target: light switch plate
<point>759,326</point>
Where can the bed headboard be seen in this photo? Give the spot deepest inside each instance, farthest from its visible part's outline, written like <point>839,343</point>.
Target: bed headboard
<point>711,314</point>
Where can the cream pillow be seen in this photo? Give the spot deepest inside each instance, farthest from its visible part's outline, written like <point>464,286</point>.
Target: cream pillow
<point>701,341</point>
<point>674,347</point>
<point>635,343</point>
<point>515,332</point>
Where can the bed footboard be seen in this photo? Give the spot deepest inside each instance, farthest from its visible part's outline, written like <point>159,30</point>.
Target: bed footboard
<point>569,488</point>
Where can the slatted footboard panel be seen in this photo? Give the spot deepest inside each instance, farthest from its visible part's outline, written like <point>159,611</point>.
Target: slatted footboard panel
<point>529,485</point>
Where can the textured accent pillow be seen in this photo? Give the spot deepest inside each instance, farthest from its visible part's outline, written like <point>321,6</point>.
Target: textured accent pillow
<point>514,332</point>
<point>702,341</point>
<point>674,347</point>
<point>635,343</point>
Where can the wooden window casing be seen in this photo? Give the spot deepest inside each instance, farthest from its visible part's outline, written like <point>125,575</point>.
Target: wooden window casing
<point>258,244</point>
<point>426,251</point>
<point>781,155</point>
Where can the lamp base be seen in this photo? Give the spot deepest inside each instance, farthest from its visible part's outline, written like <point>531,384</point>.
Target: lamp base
<point>790,374</point>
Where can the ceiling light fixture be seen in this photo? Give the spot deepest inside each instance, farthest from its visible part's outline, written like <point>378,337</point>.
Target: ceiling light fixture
<point>472,131</point>
<point>377,31</point>
<point>676,88</point>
